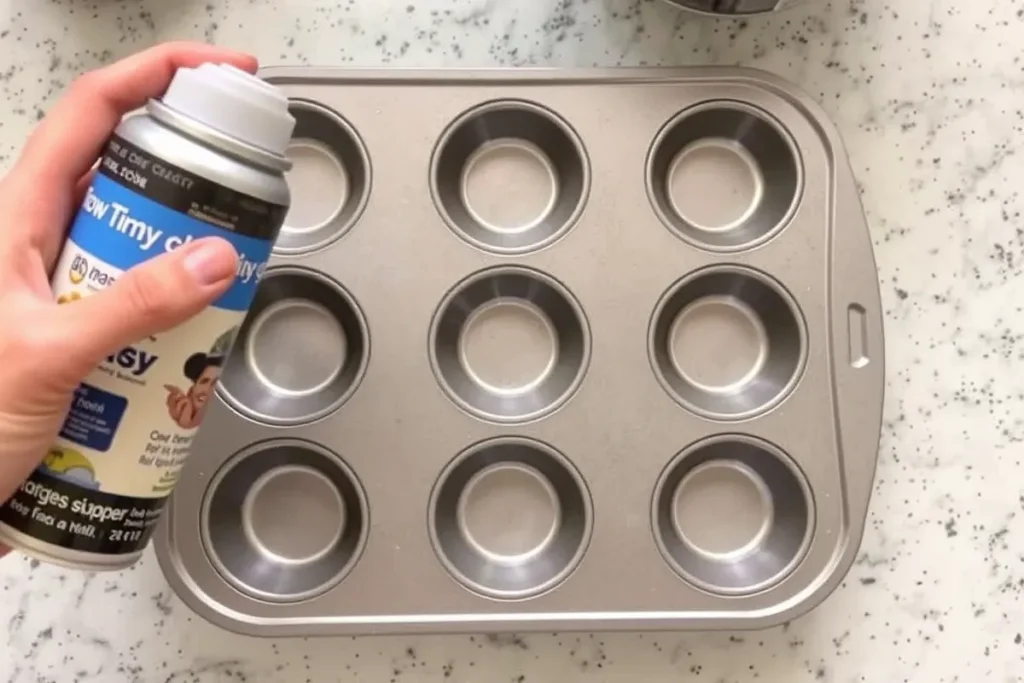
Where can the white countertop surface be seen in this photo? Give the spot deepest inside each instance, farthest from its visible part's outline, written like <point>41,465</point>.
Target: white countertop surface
<point>929,96</point>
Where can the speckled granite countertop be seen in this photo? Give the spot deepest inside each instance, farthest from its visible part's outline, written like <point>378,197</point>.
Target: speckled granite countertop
<point>928,95</point>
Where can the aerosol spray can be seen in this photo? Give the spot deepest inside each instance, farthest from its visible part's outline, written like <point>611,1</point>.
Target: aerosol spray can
<point>208,158</point>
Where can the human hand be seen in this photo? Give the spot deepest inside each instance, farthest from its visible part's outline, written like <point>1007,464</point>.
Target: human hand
<point>46,348</point>
<point>180,407</point>
<point>175,400</point>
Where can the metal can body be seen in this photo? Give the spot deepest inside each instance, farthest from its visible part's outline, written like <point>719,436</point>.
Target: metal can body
<point>162,182</point>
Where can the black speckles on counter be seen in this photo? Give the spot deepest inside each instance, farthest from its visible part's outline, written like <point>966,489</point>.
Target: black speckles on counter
<point>950,527</point>
<point>927,95</point>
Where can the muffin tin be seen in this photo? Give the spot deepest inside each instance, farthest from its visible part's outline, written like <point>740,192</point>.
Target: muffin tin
<point>543,350</point>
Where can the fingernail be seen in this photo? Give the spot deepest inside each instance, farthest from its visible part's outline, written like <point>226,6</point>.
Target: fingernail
<point>211,262</point>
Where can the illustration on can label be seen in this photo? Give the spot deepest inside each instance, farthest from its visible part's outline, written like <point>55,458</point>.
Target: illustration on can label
<point>130,425</point>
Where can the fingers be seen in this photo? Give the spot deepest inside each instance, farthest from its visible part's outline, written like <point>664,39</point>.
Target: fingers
<point>82,185</point>
<point>66,144</point>
<point>49,246</point>
<point>148,299</point>
<point>174,396</point>
<point>177,410</point>
<point>70,138</point>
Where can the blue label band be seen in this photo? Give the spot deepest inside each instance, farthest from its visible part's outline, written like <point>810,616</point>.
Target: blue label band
<point>93,417</point>
<point>124,228</point>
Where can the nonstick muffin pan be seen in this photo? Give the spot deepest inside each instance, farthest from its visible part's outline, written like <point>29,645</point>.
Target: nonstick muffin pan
<point>543,350</point>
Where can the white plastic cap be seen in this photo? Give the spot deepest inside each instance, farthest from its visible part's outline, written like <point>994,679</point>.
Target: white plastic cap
<point>233,102</point>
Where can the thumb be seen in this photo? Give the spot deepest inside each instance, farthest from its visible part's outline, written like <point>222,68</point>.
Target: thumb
<point>150,298</point>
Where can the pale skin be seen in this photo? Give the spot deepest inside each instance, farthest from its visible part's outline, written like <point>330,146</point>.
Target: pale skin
<point>47,348</point>
<point>186,408</point>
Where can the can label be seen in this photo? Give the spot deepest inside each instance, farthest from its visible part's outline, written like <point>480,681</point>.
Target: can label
<point>103,485</point>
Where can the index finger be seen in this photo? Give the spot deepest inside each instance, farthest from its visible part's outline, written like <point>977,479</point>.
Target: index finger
<point>68,141</point>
